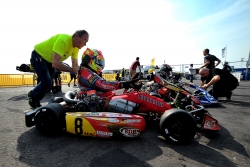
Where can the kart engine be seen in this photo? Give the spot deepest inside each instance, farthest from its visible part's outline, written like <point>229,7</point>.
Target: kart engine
<point>90,103</point>
<point>95,103</point>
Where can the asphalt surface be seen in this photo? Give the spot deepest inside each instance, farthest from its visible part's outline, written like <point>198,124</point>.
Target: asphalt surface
<point>23,146</point>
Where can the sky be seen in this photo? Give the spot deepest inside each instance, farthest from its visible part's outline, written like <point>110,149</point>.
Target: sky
<point>171,31</point>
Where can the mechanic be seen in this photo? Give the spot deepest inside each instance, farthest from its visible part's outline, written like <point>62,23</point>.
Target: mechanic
<point>134,65</point>
<point>48,55</point>
<point>89,77</point>
<point>226,67</point>
<point>223,82</point>
<point>209,60</point>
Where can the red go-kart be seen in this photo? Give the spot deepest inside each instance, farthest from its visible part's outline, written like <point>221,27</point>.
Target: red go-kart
<point>91,113</point>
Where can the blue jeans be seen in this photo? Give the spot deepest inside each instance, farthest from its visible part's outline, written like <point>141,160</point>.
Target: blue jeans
<point>191,77</point>
<point>45,73</point>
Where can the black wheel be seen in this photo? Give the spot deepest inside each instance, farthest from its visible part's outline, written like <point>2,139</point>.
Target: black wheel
<point>50,119</point>
<point>178,126</point>
<point>56,100</point>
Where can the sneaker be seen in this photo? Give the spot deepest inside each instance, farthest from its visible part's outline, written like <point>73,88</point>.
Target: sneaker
<point>68,84</point>
<point>32,102</point>
<point>74,85</point>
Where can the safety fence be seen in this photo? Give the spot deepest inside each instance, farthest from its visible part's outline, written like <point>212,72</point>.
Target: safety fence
<point>9,80</point>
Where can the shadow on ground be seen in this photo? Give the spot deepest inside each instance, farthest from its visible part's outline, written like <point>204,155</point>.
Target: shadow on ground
<point>71,150</point>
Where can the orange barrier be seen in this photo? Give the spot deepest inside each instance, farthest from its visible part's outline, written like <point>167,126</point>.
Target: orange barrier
<point>30,79</point>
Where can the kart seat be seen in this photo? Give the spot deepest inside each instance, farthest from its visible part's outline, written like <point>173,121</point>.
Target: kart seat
<point>69,97</point>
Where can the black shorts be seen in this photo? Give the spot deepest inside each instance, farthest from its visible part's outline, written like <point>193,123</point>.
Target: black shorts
<point>72,76</point>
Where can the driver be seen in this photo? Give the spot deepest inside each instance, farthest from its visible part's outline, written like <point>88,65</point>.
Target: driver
<point>165,71</point>
<point>91,68</point>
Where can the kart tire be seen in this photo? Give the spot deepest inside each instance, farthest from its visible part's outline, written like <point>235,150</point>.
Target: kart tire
<point>50,119</point>
<point>178,126</point>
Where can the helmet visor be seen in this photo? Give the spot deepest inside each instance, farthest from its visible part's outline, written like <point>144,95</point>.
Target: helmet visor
<point>101,63</point>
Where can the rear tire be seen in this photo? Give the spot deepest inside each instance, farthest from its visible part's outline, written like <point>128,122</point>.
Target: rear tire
<point>178,126</point>
<point>50,119</point>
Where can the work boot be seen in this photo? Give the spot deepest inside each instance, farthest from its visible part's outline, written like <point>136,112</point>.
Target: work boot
<point>38,104</point>
<point>228,96</point>
<point>31,101</point>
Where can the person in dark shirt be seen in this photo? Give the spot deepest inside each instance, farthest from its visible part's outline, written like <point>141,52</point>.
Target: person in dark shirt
<point>226,67</point>
<point>209,60</point>
<point>223,82</point>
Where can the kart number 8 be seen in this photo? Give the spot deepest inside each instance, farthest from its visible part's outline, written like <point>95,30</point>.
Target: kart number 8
<point>78,126</point>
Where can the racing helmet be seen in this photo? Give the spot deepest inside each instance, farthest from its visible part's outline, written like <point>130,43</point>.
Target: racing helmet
<point>93,59</point>
<point>167,69</point>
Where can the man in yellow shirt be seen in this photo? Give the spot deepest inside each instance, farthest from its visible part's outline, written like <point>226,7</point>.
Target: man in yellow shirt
<point>49,55</point>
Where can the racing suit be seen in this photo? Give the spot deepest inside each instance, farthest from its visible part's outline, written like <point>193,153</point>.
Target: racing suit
<point>89,80</point>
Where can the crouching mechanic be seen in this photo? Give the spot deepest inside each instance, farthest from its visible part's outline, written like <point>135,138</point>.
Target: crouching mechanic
<point>89,77</point>
<point>223,82</point>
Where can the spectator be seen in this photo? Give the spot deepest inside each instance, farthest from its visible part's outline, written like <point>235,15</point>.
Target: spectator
<point>226,67</point>
<point>134,65</point>
<point>48,55</point>
<point>57,78</point>
<point>191,76</point>
<point>209,60</point>
<point>72,77</point>
<point>123,72</point>
<point>223,82</point>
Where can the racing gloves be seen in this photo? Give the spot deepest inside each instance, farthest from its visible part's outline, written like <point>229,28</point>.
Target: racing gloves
<point>130,84</point>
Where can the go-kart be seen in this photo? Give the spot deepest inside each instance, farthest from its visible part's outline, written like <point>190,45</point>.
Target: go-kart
<point>177,90</point>
<point>106,114</point>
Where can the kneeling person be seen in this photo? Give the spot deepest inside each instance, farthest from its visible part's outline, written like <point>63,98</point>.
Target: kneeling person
<point>223,82</point>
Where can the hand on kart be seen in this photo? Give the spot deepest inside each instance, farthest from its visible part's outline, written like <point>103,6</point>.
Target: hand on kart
<point>204,87</point>
<point>131,84</point>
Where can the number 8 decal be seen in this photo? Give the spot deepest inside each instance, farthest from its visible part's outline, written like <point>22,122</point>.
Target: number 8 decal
<point>78,126</point>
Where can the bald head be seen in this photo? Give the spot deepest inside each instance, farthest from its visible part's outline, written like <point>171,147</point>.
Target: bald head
<point>204,72</point>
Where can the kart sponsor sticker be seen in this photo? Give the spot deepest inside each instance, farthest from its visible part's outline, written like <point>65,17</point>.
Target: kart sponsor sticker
<point>150,100</point>
<point>117,115</point>
<point>93,114</point>
<point>210,124</point>
<point>130,132</point>
<point>132,120</point>
<point>113,120</point>
<point>103,133</point>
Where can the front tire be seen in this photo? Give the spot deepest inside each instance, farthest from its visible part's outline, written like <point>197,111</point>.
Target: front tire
<point>178,126</point>
<point>50,119</point>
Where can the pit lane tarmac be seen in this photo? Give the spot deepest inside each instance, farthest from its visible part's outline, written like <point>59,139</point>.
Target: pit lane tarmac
<point>23,146</point>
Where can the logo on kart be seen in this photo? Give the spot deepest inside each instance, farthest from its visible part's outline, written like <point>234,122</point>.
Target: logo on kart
<point>210,124</point>
<point>103,133</point>
<point>130,132</point>
<point>132,120</point>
